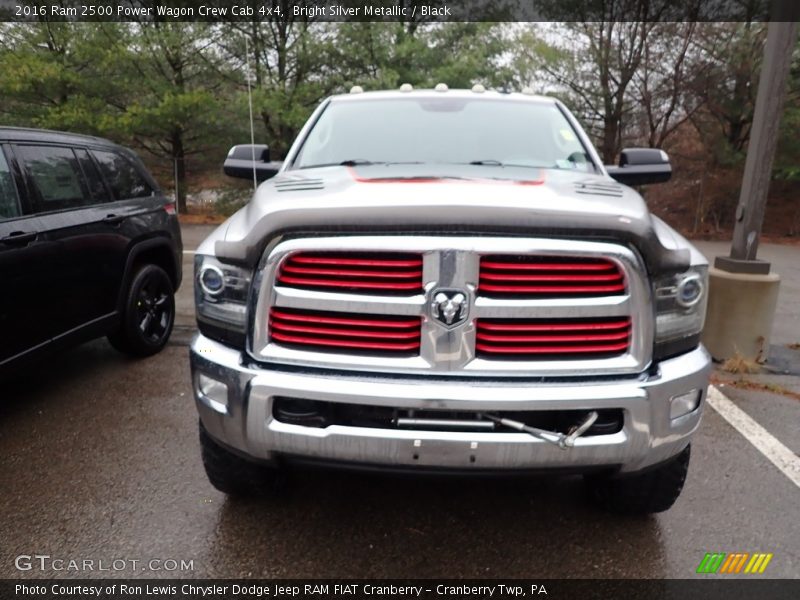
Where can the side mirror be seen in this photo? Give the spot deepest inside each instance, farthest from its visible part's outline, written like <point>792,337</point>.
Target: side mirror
<point>638,166</point>
<point>244,158</point>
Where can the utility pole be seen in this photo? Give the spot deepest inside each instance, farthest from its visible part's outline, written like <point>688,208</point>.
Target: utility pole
<point>743,292</point>
<point>781,38</point>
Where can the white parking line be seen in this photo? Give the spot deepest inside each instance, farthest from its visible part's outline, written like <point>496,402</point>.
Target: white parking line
<point>778,454</point>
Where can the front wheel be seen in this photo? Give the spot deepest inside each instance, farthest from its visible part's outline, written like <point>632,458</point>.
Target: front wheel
<point>234,475</point>
<point>148,314</point>
<point>653,491</point>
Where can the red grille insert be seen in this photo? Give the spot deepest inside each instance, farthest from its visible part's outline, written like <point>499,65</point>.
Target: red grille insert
<point>344,332</point>
<point>549,277</point>
<point>540,339</point>
<point>361,272</point>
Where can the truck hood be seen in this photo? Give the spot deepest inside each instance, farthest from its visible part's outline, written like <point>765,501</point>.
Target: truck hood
<point>465,199</point>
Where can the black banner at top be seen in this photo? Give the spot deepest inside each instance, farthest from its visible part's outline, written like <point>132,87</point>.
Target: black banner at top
<point>399,10</point>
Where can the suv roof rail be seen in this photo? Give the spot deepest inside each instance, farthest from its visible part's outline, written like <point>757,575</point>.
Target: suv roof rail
<point>37,130</point>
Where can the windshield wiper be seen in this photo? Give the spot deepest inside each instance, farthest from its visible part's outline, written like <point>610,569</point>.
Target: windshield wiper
<point>488,162</point>
<point>491,162</point>
<point>350,162</point>
<point>361,162</point>
<point>356,162</point>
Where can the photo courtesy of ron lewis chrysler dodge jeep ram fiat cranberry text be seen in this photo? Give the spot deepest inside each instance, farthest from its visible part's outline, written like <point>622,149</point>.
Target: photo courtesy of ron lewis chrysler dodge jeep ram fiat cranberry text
<point>450,281</point>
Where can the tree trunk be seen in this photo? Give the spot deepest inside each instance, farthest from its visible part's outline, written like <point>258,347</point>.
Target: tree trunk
<point>179,160</point>
<point>610,138</point>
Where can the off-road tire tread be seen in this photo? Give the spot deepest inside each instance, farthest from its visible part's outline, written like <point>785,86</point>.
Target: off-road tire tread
<point>234,475</point>
<point>651,492</point>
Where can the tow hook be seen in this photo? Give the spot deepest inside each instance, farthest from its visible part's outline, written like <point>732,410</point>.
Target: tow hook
<point>554,437</point>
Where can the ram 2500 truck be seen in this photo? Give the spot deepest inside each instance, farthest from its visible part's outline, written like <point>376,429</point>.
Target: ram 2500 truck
<point>450,281</point>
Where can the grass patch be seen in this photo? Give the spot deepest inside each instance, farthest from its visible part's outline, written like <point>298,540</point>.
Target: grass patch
<point>756,386</point>
<point>737,364</point>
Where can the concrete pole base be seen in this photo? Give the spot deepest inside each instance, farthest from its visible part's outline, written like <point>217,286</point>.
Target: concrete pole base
<point>741,309</point>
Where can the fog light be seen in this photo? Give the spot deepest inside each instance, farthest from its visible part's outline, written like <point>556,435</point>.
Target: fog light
<point>684,404</point>
<point>213,392</point>
<point>295,411</point>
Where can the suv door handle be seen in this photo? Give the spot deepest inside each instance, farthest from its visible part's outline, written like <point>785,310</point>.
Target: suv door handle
<point>113,219</point>
<point>19,238</point>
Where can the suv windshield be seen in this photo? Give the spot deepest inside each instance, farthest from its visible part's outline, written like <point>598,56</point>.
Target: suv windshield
<point>480,131</point>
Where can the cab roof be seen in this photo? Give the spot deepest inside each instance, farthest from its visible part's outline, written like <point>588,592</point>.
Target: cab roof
<point>27,134</point>
<point>355,96</point>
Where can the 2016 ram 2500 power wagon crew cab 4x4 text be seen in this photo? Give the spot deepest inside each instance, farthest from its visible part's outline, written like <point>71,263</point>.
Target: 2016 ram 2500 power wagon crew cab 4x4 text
<point>450,281</point>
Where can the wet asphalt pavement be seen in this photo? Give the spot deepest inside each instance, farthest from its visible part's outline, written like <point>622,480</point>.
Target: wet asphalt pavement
<point>99,460</point>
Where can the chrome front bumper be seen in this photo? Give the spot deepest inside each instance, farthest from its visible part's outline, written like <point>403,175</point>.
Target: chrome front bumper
<point>243,420</point>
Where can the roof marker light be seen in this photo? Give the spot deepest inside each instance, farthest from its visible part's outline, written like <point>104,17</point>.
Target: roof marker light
<point>478,88</point>
<point>406,87</point>
<point>356,89</point>
<point>441,87</point>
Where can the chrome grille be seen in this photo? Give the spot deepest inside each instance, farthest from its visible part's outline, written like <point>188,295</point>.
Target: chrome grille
<point>470,345</point>
<point>362,272</point>
<point>568,339</point>
<point>341,332</point>
<point>549,277</point>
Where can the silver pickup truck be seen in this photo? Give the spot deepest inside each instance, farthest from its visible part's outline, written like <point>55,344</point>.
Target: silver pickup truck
<point>450,281</point>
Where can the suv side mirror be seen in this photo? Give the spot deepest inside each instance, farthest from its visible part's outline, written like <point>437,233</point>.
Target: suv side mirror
<point>638,166</point>
<point>240,162</point>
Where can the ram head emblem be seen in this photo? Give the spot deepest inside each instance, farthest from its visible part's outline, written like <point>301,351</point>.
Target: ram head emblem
<point>449,307</point>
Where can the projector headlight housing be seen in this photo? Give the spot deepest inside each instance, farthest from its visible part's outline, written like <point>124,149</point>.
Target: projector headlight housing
<point>220,292</point>
<point>681,301</point>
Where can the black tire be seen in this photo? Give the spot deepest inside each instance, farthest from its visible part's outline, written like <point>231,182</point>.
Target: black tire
<point>652,491</point>
<point>234,475</point>
<point>148,314</point>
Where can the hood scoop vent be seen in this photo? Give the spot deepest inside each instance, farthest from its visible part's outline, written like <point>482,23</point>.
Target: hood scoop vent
<point>594,188</point>
<point>298,185</point>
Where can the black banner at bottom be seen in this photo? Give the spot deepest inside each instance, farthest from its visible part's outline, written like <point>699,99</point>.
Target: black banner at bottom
<point>428,589</point>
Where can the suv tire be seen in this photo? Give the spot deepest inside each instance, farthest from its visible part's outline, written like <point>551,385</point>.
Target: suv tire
<point>148,314</point>
<point>234,475</point>
<point>652,491</point>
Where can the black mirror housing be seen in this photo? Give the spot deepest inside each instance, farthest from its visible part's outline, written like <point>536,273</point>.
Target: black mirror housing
<point>243,159</point>
<point>640,166</point>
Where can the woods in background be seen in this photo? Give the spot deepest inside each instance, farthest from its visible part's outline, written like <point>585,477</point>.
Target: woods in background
<point>177,91</point>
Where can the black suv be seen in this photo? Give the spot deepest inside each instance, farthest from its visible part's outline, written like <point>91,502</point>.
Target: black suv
<point>89,246</point>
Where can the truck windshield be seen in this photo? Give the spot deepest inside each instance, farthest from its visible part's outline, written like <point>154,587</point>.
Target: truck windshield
<point>454,130</point>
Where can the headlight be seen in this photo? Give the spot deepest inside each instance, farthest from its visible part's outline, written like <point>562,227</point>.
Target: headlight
<point>680,311</point>
<point>220,294</point>
<point>211,280</point>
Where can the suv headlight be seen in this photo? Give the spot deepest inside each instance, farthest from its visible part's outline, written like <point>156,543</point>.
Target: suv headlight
<point>220,295</point>
<point>680,311</point>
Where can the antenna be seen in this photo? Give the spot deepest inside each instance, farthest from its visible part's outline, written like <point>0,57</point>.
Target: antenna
<point>250,104</point>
